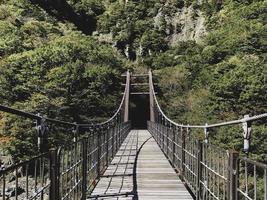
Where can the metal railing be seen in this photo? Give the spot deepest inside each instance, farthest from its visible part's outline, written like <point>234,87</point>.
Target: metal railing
<point>26,180</point>
<point>78,166</point>
<point>70,171</point>
<point>251,179</point>
<point>209,172</point>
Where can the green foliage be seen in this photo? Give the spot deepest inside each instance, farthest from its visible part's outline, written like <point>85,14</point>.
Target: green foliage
<point>240,80</point>
<point>89,7</point>
<point>48,66</point>
<point>223,77</point>
<point>154,41</point>
<point>132,24</point>
<point>71,78</point>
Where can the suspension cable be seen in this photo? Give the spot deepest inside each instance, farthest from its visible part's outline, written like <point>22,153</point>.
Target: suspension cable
<point>38,117</point>
<point>238,121</point>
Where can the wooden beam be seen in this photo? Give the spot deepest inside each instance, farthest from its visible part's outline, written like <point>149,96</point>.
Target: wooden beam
<point>151,97</point>
<point>126,108</point>
<point>140,93</point>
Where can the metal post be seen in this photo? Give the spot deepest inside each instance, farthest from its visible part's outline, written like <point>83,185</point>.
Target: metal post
<point>54,175</point>
<point>42,136</point>
<point>167,141</point>
<point>206,132</point>
<point>173,145</point>
<point>107,143</point>
<point>163,134</point>
<point>158,128</point>
<point>116,135</point>
<point>265,184</point>
<point>112,141</point>
<point>233,179</point>
<point>183,151</point>
<point>84,168</point>
<point>119,130</point>
<point>157,131</point>
<point>199,169</point>
<point>98,150</point>
<point>246,134</point>
<point>76,132</point>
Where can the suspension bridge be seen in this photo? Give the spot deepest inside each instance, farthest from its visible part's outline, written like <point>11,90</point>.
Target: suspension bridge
<point>110,160</point>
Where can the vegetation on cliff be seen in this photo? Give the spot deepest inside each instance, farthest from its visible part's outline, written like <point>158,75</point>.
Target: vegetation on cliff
<point>64,59</point>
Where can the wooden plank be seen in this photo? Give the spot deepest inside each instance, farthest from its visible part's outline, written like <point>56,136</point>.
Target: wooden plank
<point>140,93</point>
<point>154,179</point>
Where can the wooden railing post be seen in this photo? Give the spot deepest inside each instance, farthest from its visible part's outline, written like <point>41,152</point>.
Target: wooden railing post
<point>199,169</point>
<point>127,96</point>
<point>54,175</point>
<point>151,97</point>
<point>233,179</point>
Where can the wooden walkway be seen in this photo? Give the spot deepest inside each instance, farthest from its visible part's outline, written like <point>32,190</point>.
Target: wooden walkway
<point>140,171</point>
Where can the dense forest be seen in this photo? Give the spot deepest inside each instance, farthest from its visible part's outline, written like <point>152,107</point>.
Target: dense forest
<point>64,59</point>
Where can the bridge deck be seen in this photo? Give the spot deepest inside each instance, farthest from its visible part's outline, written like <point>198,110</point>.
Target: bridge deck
<point>140,171</point>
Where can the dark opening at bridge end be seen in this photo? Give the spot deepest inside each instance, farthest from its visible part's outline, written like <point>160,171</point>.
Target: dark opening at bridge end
<point>139,111</point>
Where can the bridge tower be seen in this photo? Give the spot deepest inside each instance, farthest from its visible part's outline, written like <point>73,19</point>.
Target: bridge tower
<point>127,97</point>
<point>151,97</point>
<point>140,102</point>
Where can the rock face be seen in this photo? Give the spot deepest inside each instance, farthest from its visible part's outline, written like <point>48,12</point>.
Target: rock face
<point>185,24</point>
<point>175,22</point>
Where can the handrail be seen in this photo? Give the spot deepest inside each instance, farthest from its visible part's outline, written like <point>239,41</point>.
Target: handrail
<point>32,116</point>
<point>51,165</point>
<point>39,117</point>
<point>238,121</point>
<point>217,173</point>
<point>19,112</point>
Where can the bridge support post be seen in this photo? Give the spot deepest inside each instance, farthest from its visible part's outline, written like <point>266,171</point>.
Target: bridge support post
<point>233,175</point>
<point>116,138</point>
<point>247,134</point>
<point>167,139</point>
<point>118,134</point>
<point>98,132</point>
<point>54,175</point>
<point>107,145</point>
<point>163,135</point>
<point>199,169</point>
<point>84,168</point>
<point>127,96</point>
<point>112,140</point>
<point>151,97</point>
<point>183,151</point>
<point>173,146</point>
<point>41,128</point>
